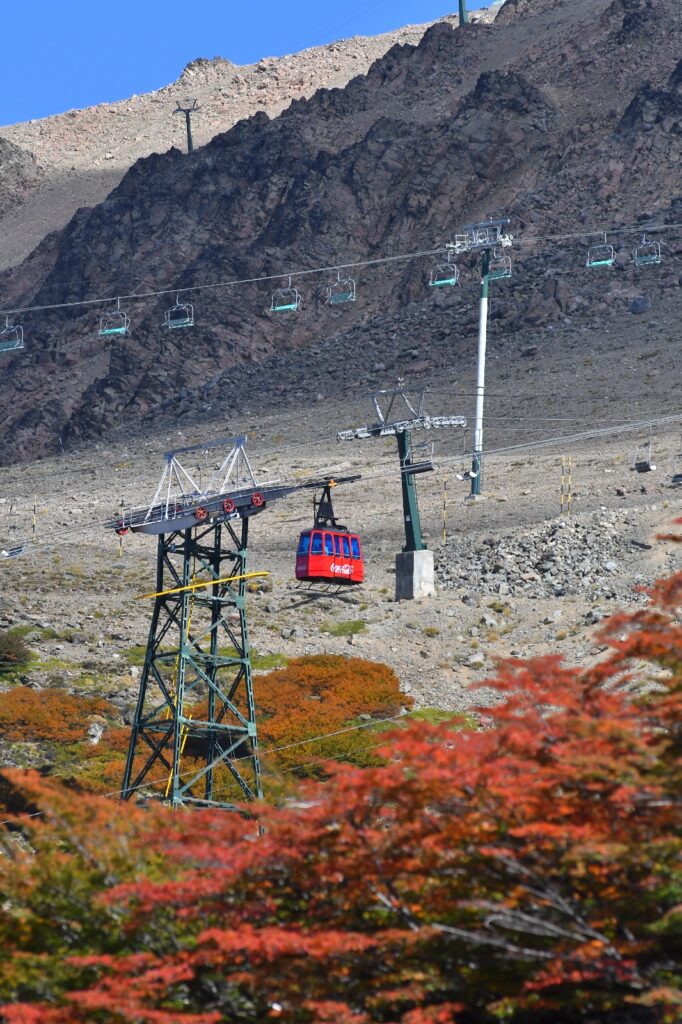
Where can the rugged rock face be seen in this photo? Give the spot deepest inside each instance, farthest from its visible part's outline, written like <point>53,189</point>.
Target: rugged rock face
<point>18,171</point>
<point>573,129</point>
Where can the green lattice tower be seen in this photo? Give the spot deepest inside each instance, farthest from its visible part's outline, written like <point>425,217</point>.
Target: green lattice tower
<point>194,738</point>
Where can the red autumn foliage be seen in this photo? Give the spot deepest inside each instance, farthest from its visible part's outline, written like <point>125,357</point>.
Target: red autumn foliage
<point>529,872</point>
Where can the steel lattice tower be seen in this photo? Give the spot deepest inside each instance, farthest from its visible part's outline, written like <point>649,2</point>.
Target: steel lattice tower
<point>194,732</point>
<point>194,737</point>
<point>195,720</point>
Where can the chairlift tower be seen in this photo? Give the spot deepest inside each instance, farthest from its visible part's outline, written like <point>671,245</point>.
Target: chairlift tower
<point>398,416</point>
<point>194,738</point>
<point>188,111</point>
<point>463,16</point>
<point>484,238</point>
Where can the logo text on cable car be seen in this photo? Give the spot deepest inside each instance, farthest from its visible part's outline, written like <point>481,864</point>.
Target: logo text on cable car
<point>342,570</point>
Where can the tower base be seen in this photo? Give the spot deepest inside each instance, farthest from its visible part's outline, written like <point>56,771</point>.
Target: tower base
<point>414,576</point>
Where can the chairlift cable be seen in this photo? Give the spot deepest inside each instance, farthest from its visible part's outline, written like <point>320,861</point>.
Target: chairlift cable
<point>332,268</point>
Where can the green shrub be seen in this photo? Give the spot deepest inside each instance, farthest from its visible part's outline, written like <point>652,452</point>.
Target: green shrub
<point>14,653</point>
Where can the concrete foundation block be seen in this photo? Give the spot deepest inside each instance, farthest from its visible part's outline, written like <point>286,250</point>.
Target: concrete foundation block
<point>414,575</point>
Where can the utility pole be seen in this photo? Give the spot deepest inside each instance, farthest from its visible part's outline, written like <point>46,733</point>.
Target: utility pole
<point>188,111</point>
<point>486,238</point>
<point>398,415</point>
<point>463,16</point>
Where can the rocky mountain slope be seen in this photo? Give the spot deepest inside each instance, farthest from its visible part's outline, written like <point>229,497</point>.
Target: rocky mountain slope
<point>83,154</point>
<point>564,116</point>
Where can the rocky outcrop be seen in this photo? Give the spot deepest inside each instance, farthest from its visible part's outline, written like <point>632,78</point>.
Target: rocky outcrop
<point>591,556</point>
<point>18,172</point>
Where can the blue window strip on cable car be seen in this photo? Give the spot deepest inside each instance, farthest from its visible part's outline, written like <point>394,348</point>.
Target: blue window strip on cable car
<point>328,544</point>
<point>304,544</point>
<point>346,547</point>
<point>316,547</point>
<point>355,547</point>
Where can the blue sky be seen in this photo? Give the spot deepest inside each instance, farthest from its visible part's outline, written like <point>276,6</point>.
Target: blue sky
<point>79,52</point>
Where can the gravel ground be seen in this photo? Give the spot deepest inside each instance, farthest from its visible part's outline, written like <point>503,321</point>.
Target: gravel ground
<point>515,577</point>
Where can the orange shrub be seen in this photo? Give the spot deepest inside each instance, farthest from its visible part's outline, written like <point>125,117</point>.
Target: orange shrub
<point>48,715</point>
<point>323,694</point>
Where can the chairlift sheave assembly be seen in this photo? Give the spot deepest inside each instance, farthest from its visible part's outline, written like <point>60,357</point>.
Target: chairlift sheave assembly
<point>116,321</point>
<point>647,254</point>
<point>329,553</point>
<point>11,336</point>
<point>602,255</point>
<point>286,299</point>
<point>341,291</point>
<point>181,314</point>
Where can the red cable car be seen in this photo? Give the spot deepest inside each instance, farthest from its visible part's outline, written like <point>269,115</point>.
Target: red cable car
<point>329,553</point>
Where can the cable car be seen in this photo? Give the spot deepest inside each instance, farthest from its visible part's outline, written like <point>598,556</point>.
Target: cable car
<point>342,290</point>
<point>179,315</point>
<point>444,274</point>
<point>114,322</point>
<point>11,337</point>
<point>647,254</point>
<point>286,300</point>
<point>603,255</point>
<point>329,552</point>
<point>500,267</point>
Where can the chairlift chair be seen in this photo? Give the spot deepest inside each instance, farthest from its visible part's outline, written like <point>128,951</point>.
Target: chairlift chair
<point>647,254</point>
<point>115,322</point>
<point>286,300</point>
<point>602,255</point>
<point>500,267</point>
<point>444,274</point>
<point>11,337</point>
<point>641,462</point>
<point>676,475</point>
<point>342,290</point>
<point>179,315</point>
<point>419,459</point>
